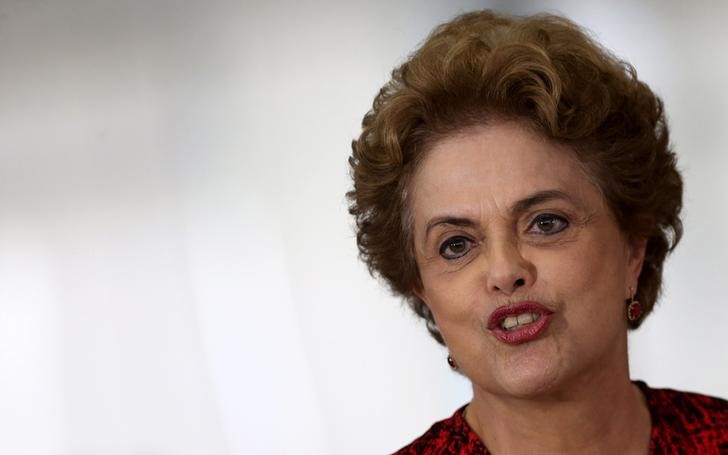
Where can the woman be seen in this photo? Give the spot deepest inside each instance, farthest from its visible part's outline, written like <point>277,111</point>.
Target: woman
<point>514,182</point>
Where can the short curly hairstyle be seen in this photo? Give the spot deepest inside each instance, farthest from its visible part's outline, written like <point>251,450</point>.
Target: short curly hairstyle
<point>542,71</point>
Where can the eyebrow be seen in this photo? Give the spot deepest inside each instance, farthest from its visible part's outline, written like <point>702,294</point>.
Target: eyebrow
<point>517,209</point>
<point>538,198</point>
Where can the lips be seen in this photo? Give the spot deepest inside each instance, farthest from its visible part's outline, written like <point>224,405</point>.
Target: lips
<point>520,323</point>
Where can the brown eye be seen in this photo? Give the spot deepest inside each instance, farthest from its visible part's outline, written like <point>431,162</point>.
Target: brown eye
<point>455,247</point>
<point>548,224</point>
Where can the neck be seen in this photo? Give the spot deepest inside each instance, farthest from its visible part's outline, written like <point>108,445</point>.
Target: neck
<point>602,413</point>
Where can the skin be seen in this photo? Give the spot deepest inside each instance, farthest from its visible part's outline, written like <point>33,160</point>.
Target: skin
<point>502,216</point>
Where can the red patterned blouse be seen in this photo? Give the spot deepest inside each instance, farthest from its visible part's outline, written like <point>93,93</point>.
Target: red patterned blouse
<point>682,423</point>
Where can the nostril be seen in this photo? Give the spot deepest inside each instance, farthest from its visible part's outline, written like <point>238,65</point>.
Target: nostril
<point>519,282</point>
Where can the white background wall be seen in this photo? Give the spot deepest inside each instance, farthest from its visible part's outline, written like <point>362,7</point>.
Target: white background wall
<point>178,273</point>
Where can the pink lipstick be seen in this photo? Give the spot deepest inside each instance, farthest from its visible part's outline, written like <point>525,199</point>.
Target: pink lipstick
<point>519,323</point>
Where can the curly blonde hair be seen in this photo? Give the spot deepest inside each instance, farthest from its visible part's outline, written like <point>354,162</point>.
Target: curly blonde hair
<point>545,72</point>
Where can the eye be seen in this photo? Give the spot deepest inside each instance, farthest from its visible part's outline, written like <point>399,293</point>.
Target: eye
<point>548,224</point>
<point>455,247</point>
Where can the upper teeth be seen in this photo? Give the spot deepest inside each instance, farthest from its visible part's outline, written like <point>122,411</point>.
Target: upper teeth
<point>511,322</point>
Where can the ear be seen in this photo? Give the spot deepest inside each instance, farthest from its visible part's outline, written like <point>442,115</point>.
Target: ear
<point>636,257</point>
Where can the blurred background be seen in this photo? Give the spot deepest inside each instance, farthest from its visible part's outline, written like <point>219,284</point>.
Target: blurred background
<point>178,272</point>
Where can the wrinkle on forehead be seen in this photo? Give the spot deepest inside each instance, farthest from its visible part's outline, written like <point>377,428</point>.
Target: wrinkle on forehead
<point>479,173</point>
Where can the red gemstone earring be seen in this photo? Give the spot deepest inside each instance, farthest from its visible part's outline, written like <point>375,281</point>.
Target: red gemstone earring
<point>451,362</point>
<point>634,309</point>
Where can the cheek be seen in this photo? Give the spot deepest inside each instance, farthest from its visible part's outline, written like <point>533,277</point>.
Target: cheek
<point>589,280</point>
<point>452,297</point>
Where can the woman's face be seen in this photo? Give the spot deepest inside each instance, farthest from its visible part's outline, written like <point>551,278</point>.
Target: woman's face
<point>522,263</point>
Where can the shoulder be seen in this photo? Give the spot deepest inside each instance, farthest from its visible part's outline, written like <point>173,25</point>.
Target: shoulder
<point>687,420</point>
<point>446,437</point>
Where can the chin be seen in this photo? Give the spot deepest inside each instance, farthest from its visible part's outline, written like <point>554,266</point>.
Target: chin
<point>531,386</point>
<point>527,379</point>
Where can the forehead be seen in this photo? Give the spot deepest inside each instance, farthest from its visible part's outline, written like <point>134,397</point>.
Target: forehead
<point>489,168</point>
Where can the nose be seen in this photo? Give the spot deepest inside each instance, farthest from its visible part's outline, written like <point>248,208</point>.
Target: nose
<point>508,270</point>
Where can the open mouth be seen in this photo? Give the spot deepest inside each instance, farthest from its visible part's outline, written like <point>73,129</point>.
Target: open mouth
<point>520,323</point>
<point>514,322</point>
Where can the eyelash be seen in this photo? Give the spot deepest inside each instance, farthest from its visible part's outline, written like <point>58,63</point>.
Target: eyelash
<point>468,243</point>
<point>549,217</point>
<point>452,241</point>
